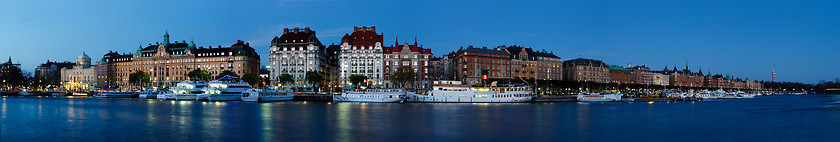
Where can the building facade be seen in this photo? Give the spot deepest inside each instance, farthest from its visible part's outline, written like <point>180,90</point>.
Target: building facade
<point>168,63</point>
<point>81,76</point>
<point>49,73</point>
<point>586,70</point>
<point>296,52</point>
<point>684,78</point>
<point>413,56</point>
<point>481,66</point>
<point>362,53</point>
<point>527,64</point>
<point>620,75</point>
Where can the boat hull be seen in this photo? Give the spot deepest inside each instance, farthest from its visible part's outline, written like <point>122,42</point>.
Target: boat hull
<point>258,95</point>
<point>455,99</point>
<point>218,97</point>
<point>185,97</point>
<point>340,98</point>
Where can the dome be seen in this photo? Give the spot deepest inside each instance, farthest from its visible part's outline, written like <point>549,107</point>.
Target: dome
<point>83,56</point>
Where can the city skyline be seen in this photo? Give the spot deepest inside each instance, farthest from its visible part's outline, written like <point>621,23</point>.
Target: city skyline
<point>743,39</point>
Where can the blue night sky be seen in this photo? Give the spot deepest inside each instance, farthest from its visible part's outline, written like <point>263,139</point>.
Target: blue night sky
<point>799,39</point>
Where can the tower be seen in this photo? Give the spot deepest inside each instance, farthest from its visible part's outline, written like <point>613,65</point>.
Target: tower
<point>166,39</point>
<point>774,75</point>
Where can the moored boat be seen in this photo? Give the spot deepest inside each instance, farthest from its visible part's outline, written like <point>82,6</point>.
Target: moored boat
<point>379,95</point>
<point>27,93</point>
<point>265,95</point>
<point>185,90</point>
<point>115,94</point>
<point>223,90</point>
<point>148,95</point>
<point>598,97</point>
<point>454,92</point>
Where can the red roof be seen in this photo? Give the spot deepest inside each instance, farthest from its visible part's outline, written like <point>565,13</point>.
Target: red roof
<point>363,37</point>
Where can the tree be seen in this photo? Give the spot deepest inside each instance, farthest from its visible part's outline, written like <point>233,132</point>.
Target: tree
<point>357,79</point>
<point>285,78</point>
<point>139,78</point>
<point>314,78</point>
<point>251,78</point>
<point>198,74</point>
<point>227,72</point>
<point>403,75</point>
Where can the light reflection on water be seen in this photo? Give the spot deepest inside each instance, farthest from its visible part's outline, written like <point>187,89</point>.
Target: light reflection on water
<point>97,119</point>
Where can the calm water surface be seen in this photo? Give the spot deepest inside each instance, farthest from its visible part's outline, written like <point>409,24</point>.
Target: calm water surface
<point>765,118</point>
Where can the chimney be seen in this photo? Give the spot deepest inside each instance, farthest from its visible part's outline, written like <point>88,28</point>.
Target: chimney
<point>296,30</point>
<point>306,30</point>
<point>372,28</point>
<point>355,28</point>
<point>285,30</point>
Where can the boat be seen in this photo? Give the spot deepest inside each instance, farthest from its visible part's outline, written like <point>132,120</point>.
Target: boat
<point>455,92</point>
<point>598,97</point>
<point>265,95</point>
<point>27,93</point>
<point>379,95</point>
<point>115,94</point>
<point>186,90</point>
<point>148,95</point>
<point>219,90</point>
<point>803,92</point>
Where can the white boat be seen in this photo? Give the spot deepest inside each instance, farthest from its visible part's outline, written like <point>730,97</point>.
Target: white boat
<point>598,97</point>
<point>114,94</point>
<point>455,92</point>
<point>79,94</point>
<point>383,95</point>
<point>185,90</point>
<point>265,95</point>
<point>224,90</point>
<point>148,95</point>
<point>27,93</point>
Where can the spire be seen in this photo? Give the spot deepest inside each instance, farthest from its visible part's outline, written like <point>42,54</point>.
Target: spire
<point>396,40</point>
<point>166,39</point>
<point>415,40</point>
<point>10,60</point>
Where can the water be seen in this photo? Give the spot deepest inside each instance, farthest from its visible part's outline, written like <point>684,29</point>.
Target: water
<point>765,118</point>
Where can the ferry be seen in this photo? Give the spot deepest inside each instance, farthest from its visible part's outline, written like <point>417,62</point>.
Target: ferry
<point>384,95</point>
<point>114,94</point>
<point>598,97</point>
<point>224,90</point>
<point>455,92</point>
<point>265,95</point>
<point>148,95</point>
<point>185,90</point>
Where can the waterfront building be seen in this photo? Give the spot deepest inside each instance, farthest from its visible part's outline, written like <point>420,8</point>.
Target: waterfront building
<point>527,64</point>
<point>413,56</point>
<point>333,77</point>
<point>661,79</point>
<point>81,76</point>
<point>49,73</point>
<point>586,70</point>
<point>10,74</point>
<point>168,63</point>
<point>716,81</point>
<point>361,53</point>
<point>477,66</point>
<point>684,78</point>
<point>619,75</point>
<point>296,52</point>
<point>642,75</point>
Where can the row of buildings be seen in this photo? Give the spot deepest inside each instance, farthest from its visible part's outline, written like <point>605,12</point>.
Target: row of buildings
<point>363,52</point>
